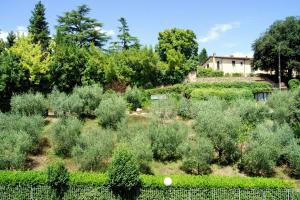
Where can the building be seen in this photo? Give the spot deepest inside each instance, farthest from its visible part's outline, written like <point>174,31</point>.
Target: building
<point>230,64</point>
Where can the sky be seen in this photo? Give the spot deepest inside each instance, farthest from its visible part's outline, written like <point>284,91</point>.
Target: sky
<point>224,27</point>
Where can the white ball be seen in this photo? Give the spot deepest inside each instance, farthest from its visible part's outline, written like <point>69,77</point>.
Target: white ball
<point>167,181</point>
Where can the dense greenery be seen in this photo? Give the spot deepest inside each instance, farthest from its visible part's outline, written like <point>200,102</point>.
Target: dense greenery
<point>58,179</point>
<point>208,72</point>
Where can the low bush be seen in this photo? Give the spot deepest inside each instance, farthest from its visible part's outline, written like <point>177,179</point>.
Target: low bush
<point>59,102</point>
<point>186,109</point>
<point>293,84</point>
<point>93,149</point>
<point>197,156</point>
<point>203,72</point>
<point>58,179</point>
<point>222,128</point>
<point>32,126</point>
<point>165,140</point>
<point>65,135</point>
<point>29,104</point>
<point>226,94</point>
<point>236,74</point>
<point>123,174</point>
<point>293,156</point>
<point>136,98</point>
<point>179,181</point>
<point>14,148</point>
<point>111,111</point>
<point>90,97</point>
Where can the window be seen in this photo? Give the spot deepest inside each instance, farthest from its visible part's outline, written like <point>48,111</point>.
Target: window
<point>233,63</point>
<point>241,63</point>
<point>207,65</point>
<point>218,65</point>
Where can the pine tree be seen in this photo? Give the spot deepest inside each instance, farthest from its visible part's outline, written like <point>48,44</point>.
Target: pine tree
<point>83,30</point>
<point>10,39</point>
<point>202,56</point>
<point>126,40</point>
<point>38,26</point>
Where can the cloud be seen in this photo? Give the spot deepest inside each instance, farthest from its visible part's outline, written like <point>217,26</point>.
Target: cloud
<point>107,32</point>
<point>216,30</point>
<point>3,35</point>
<point>241,54</point>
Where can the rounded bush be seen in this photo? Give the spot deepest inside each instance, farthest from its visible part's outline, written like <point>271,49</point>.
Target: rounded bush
<point>293,84</point>
<point>65,135</point>
<point>111,111</point>
<point>29,104</point>
<point>123,174</point>
<point>164,109</point>
<point>135,97</point>
<point>197,156</point>
<point>58,179</point>
<point>165,140</point>
<point>93,150</point>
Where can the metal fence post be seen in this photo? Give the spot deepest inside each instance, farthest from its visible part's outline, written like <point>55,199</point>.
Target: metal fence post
<point>264,195</point>
<point>239,194</point>
<point>190,195</point>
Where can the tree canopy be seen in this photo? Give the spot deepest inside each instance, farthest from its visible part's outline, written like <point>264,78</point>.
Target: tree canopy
<point>77,27</point>
<point>282,37</point>
<point>202,56</point>
<point>125,39</point>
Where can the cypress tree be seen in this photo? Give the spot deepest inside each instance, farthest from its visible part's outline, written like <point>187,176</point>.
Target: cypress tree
<point>202,56</point>
<point>38,26</point>
<point>10,39</point>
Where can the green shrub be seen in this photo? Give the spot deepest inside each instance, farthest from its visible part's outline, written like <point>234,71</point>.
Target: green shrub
<point>59,102</point>
<point>250,111</point>
<point>222,128</point>
<point>165,140</point>
<point>164,109</point>
<point>135,98</point>
<point>236,74</point>
<point>29,104</point>
<point>197,156</point>
<point>226,94</point>
<point>64,135</point>
<point>90,96</point>
<point>14,148</point>
<point>203,72</point>
<point>58,179</point>
<point>293,84</point>
<point>293,156</point>
<point>186,108</point>
<point>93,149</point>
<point>111,111</point>
<point>123,174</point>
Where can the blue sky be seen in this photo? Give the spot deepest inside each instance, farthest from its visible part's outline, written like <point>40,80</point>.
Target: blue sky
<point>222,26</point>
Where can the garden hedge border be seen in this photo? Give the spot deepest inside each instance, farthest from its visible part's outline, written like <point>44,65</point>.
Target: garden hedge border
<point>99,179</point>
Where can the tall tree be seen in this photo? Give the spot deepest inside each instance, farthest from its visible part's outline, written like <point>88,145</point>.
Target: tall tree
<point>282,37</point>
<point>2,46</point>
<point>202,56</point>
<point>181,40</point>
<point>11,39</point>
<point>78,28</point>
<point>38,26</point>
<point>126,40</point>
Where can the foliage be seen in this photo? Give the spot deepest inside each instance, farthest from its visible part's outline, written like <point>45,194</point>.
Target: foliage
<point>136,98</point>
<point>29,104</point>
<point>65,135</point>
<point>32,58</point>
<point>58,178</point>
<point>180,40</point>
<point>111,111</point>
<point>38,26</point>
<point>197,156</point>
<point>14,78</point>
<point>165,140</point>
<point>208,72</point>
<point>186,108</point>
<point>68,64</point>
<point>90,96</point>
<point>123,174</point>
<point>293,84</point>
<point>9,177</point>
<point>93,149</point>
<point>11,39</point>
<point>223,135</point>
<point>228,94</point>
<point>293,156</point>
<point>83,30</point>
<point>15,146</point>
<point>203,56</point>
<point>281,36</point>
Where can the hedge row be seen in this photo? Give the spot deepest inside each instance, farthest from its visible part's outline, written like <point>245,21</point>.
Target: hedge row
<point>189,87</point>
<point>226,94</point>
<point>203,72</point>
<point>98,179</point>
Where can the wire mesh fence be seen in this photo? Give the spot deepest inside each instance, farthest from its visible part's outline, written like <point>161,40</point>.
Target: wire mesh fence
<point>91,192</point>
